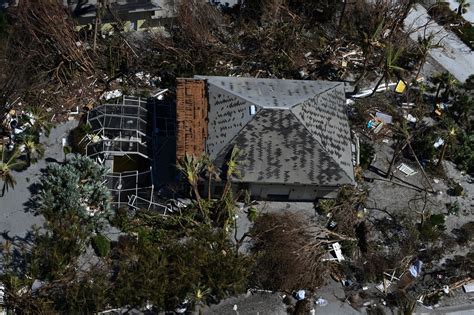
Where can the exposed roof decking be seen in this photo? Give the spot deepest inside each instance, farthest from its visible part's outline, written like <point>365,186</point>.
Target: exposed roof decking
<point>191,117</point>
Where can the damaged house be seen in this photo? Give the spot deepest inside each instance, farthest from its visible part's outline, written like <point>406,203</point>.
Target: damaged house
<point>135,14</point>
<point>293,137</point>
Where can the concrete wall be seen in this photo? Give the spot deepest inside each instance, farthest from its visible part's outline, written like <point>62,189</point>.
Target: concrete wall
<point>279,192</point>
<point>291,192</point>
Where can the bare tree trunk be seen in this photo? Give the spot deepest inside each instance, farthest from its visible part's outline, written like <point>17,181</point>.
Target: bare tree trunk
<point>341,18</point>
<point>420,166</point>
<point>437,91</point>
<point>443,152</point>
<point>421,66</point>
<point>95,30</point>
<point>377,85</point>
<point>209,188</point>
<point>396,153</point>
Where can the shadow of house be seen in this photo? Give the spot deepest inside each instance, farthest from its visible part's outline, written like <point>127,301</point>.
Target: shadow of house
<point>293,136</point>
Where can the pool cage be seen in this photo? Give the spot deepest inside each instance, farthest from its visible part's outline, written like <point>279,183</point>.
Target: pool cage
<point>121,129</point>
<point>134,189</point>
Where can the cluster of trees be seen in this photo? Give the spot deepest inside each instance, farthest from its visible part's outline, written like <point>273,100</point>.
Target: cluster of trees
<point>157,260</point>
<point>27,149</point>
<point>454,126</point>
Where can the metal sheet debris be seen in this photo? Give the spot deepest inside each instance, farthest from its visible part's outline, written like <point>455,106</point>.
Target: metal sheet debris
<point>405,169</point>
<point>337,250</point>
<point>401,86</point>
<point>410,118</point>
<point>469,288</point>
<point>438,143</point>
<point>415,269</point>
<point>300,295</point>
<point>387,119</point>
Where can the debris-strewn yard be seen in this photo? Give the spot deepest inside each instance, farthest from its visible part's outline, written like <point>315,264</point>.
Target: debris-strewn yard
<point>399,241</point>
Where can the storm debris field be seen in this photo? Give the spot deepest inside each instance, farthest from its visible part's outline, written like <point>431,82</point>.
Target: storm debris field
<point>192,201</point>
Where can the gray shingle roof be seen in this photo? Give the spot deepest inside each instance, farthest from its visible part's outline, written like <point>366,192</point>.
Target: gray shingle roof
<point>270,93</point>
<point>299,133</point>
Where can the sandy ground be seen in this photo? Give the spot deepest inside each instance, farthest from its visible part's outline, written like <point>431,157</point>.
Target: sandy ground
<point>15,219</point>
<point>454,56</point>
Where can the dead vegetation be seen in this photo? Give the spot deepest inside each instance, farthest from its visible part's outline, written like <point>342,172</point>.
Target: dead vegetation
<point>47,64</point>
<point>328,41</point>
<point>289,251</point>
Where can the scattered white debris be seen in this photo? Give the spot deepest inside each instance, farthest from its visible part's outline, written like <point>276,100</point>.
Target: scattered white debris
<point>405,169</point>
<point>415,269</point>
<point>410,118</point>
<point>384,285</point>
<point>160,93</point>
<point>37,284</point>
<point>438,143</point>
<point>468,288</point>
<point>300,295</point>
<point>337,250</point>
<point>111,94</point>
<point>321,302</point>
<point>387,119</point>
<point>446,289</point>
<point>76,112</point>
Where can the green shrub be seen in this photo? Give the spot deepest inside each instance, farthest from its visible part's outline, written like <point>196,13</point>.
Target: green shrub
<point>432,228</point>
<point>453,208</point>
<point>101,245</point>
<point>455,189</point>
<point>437,220</point>
<point>465,234</point>
<point>466,33</point>
<point>252,214</point>
<point>366,154</point>
<point>324,206</point>
<point>464,153</point>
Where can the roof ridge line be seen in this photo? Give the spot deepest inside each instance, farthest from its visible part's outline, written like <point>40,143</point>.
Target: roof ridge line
<point>233,93</point>
<point>206,78</point>
<point>326,90</point>
<point>245,125</point>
